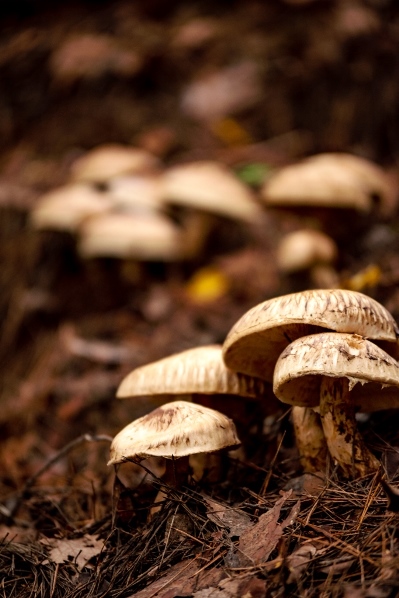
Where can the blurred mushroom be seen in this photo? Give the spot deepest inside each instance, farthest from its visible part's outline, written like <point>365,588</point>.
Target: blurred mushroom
<point>174,431</point>
<point>203,191</point>
<point>328,180</point>
<point>136,192</point>
<point>146,236</point>
<point>309,250</point>
<point>66,207</point>
<point>211,188</point>
<point>339,372</point>
<point>107,161</point>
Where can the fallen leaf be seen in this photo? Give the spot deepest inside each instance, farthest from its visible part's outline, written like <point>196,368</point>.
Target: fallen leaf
<point>247,587</point>
<point>235,520</point>
<point>257,543</point>
<point>181,580</point>
<point>298,561</point>
<point>78,550</point>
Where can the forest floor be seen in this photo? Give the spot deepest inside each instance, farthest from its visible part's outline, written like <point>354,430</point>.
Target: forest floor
<point>253,86</point>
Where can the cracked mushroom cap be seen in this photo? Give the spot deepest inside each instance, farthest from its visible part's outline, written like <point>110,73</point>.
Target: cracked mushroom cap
<point>373,374</point>
<point>174,430</point>
<point>260,336</point>
<point>200,370</point>
<point>329,180</point>
<point>209,187</point>
<point>107,161</point>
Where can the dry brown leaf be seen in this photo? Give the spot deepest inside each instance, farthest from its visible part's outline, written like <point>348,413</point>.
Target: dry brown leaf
<point>257,543</point>
<point>298,561</point>
<point>246,587</point>
<point>181,580</point>
<point>91,56</point>
<point>78,550</point>
<point>221,93</point>
<point>234,519</point>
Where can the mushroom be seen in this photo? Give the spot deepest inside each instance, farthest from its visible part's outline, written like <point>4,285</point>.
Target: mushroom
<point>308,250</point>
<point>339,372</point>
<point>107,161</point>
<point>174,431</point>
<point>330,180</point>
<point>210,187</point>
<point>255,342</point>
<point>262,333</point>
<point>145,236</point>
<point>199,374</point>
<point>66,207</point>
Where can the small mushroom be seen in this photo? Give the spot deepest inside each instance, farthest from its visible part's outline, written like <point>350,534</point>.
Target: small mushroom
<point>199,374</point>
<point>329,180</point>
<point>312,251</point>
<point>107,161</point>
<point>211,188</point>
<point>339,373</point>
<point>66,207</point>
<point>174,431</point>
<point>145,236</point>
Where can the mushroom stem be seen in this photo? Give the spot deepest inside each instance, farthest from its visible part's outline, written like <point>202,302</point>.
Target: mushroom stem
<point>176,472</point>
<point>310,438</point>
<point>344,441</point>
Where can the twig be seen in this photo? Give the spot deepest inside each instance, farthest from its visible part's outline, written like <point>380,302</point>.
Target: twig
<point>59,455</point>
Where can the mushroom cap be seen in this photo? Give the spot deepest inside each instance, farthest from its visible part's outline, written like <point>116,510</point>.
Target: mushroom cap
<point>144,236</point>
<point>107,161</point>
<point>330,180</point>
<point>66,207</point>
<point>373,374</point>
<point>174,430</point>
<point>137,192</point>
<point>200,370</point>
<point>210,187</point>
<point>305,248</point>
<point>257,339</point>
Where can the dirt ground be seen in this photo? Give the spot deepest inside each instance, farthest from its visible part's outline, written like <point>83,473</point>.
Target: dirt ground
<point>252,86</point>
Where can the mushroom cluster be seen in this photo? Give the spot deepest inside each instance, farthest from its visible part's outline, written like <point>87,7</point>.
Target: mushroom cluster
<point>326,352</point>
<point>119,199</point>
<point>198,380</point>
<point>331,350</point>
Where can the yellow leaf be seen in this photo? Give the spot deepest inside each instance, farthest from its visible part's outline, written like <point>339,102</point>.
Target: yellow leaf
<point>207,284</point>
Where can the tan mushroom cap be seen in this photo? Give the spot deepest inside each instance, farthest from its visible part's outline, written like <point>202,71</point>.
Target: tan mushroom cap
<point>257,339</point>
<point>174,430</point>
<point>107,161</point>
<point>329,180</point>
<point>137,192</point>
<point>305,248</point>
<point>147,236</point>
<point>66,207</point>
<point>210,187</point>
<point>373,374</point>
<point>200,370</point>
